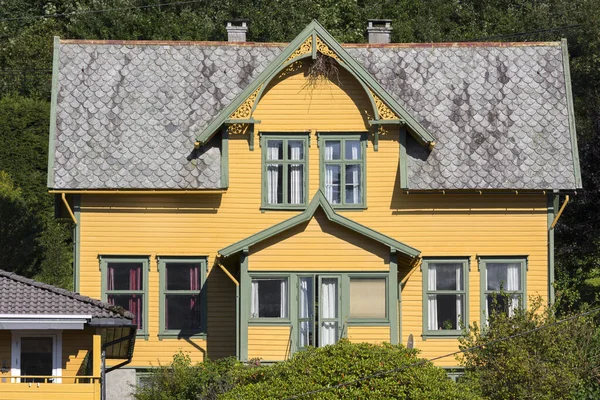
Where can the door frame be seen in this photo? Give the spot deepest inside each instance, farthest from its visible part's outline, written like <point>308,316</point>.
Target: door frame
<point>56,336</point>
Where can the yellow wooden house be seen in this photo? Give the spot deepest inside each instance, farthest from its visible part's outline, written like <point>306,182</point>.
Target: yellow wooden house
<point>252,199</point>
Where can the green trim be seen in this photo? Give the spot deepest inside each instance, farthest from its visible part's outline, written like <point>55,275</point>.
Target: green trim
<point>285,137</point>
<point>393,300</point>
<point>237,321</point>
<point>162,331</point>
<point>345,60</point>
<point>271,320</point>
<point>571,112</point>
<point>342,162</point>
<point>318,201</point>
<point>53,105</point>
<point>224,157</point>
<point>403,159</point>
<point>76,243</point>
<point>482,262</point>
<point>245,293</point>
<point>145,260</point>
<point>553,202</point>
<point>445,333</point>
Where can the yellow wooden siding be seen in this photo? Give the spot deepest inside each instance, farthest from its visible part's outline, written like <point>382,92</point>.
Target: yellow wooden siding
<point>438,225</point>
<point>5,350</point>
<point>269,343</point>
<point>75,346</point>
<point>319,245</point>
<point>49,391</point>
<point>369,334</point>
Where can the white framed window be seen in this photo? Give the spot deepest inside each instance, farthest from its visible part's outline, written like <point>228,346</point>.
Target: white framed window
<point>269,298</point>
<point>35,353</point>
<point>445,300</point>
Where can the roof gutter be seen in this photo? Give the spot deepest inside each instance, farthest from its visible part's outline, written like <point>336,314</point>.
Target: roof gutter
<point>133,191</point>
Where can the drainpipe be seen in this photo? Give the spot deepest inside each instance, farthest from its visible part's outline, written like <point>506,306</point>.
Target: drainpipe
<point>130,337</point>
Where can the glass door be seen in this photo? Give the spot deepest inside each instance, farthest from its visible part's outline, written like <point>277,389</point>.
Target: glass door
<point>329,310</point>
<point>306,312</point>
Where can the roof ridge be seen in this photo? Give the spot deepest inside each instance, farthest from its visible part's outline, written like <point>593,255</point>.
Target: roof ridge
<point>67,293</point>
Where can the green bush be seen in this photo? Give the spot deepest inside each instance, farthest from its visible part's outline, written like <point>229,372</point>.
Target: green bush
<point>556,361</point>
<point>315,369</point>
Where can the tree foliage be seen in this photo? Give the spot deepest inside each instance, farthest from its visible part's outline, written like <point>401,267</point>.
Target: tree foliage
<point>544,359</point>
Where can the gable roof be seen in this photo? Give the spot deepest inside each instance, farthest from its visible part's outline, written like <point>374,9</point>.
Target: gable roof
<point>20,295</point>
<point>315,31</point>
<point>318,201</point>
<point>125,115</point>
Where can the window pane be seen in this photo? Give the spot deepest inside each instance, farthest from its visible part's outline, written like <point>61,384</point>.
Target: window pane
<point>332,183</point>
<point>295,193</point>
<point>275,150</point>
<point>333,150</point>
<point>36,357</point>
<point>269,298</point>
<point>443,276</point>
<point>182,276</point>
<point>352,150</point>
<point>367,298</point>
<point>295,150</point>
<point>353,184</point>
<point>507,304</point>
<point>124,276</point>
<point>132,303</point>
<point>444,311</point>
<point>182,312</point>
<point>503,275</point>
<point>275,183</point>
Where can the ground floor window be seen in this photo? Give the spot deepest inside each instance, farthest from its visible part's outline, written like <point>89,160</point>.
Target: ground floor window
<point>36,354</point>
<point>503,284</point>
<point>269,298</point>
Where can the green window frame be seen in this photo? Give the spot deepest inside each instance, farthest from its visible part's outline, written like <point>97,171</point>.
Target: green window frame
<point>289,199</point>
<point>440,299</point>
<point>254,314</point>
<point>348,167</point>
<point>349,305</point>
<point>108,267</point>
<point>199,292</point>
<point>487,265</point>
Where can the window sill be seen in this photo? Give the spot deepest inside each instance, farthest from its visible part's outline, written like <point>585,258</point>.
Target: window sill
<point>142,335</point>
<point>363,322</point>
<point>269,321</point>
<point>448,334</point>
<point>181,335</point>
<point>358,207</point>
<point>296,207</point>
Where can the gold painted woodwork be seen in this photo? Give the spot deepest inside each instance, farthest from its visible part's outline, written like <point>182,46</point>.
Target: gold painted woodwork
<point>438,225</point>
<point>304,48</point>
<point>269,343</point>
<point>382,109</point>
<point>325,50</point>
<point>244,111</point>
<point>369,334</point>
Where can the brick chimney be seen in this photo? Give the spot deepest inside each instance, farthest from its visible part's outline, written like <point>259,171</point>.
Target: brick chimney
<point>379,31</point>
<point>236,30</point>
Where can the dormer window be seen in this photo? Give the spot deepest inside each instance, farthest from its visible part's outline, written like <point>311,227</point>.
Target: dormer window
<point>285,173</point>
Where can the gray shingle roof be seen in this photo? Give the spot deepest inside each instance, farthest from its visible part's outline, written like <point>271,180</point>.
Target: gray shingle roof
<point>128,113</point>
<point>19,295</point>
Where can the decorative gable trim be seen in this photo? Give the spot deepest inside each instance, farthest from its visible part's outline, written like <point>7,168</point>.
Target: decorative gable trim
<point>319,201</point>
<point>312,40</point>
<point>571,113</point>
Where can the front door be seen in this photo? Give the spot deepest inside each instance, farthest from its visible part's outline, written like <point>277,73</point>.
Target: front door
<point>319,310</point>
<point>35,355</point>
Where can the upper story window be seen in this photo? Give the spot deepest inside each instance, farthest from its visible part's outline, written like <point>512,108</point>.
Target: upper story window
<point>503,285</point>
<point>285,180</point>
<point>445,284</point>
<point>183,301</point>
<point>343,170</point>
<point>125,284</point>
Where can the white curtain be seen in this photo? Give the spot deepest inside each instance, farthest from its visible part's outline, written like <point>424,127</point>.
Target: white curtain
<point>296,195</point>
<point>432,298</point>
<point>330,172</point>
<point>353,147</point>
<point>328,311</point>
<point>512,284</point>
<point>273,172</point>
<point>284,303</point>
<point>305,306</point>
<point>254,300</point>
<point>458,296</point>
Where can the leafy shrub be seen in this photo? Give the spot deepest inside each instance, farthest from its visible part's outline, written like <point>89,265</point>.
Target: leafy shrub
<point>184,381</point>
<point>557,361</point>
<point>315,369</point>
